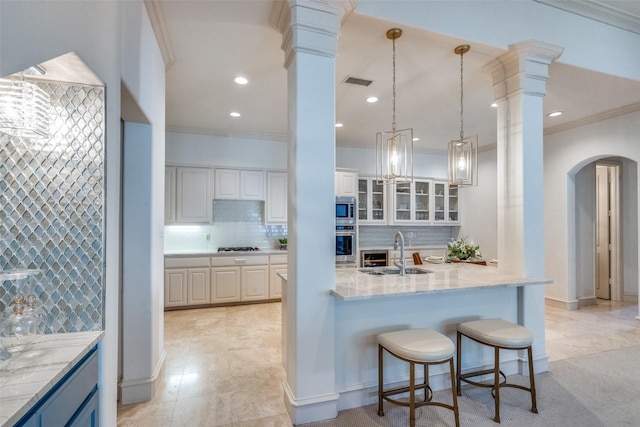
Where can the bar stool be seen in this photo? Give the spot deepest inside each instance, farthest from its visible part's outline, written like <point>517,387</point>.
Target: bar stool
<point>422,347</point>
<point>499,334</point>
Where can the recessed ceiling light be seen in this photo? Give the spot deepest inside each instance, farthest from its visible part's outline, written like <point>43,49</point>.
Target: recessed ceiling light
<point>241,80</point>
<point>494,105</point>
<point>372,99</point>
<point>234,114</point>
<point>339,125</point>
<point>416,139</point>
<point>554,113</point>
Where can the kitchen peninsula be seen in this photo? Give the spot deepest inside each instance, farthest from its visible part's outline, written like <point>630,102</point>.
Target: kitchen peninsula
<point>369,304</point>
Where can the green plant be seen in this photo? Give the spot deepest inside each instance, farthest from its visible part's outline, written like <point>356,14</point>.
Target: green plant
<point>283,241</point>
<point>463,249</point>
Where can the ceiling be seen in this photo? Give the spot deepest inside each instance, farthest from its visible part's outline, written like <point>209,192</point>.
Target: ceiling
<point>208,43</point>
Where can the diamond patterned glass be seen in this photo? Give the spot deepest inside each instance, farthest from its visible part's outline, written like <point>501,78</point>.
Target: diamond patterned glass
<point>51,209</point>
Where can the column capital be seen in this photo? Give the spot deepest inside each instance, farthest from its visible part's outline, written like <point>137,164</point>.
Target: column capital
<point>523,68</point>
<point>311,26</point>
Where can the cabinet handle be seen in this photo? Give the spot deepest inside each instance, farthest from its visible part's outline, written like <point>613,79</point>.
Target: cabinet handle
<point>240,261</point>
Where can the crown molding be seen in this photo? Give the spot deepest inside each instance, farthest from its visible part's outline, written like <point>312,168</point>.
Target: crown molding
<point>240,135</point>
<point>632,108</point>
<point>598,11</point>
<point>159,25</point>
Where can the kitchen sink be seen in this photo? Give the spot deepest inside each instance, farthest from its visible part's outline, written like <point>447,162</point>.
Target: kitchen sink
<point>392,271</point>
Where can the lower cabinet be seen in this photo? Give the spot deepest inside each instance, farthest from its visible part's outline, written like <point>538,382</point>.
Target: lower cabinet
<point>195,281</point>
<point>277,264</point>
<point>225,284</point>
<point>72,402</point>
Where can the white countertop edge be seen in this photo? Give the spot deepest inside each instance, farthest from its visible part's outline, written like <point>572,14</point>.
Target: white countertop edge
<point>344,297</point>
<point>68,348</point>
<point>215,253</point>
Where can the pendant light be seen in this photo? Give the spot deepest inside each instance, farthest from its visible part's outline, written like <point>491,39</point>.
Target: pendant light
<point>394,149</point>
<point>24,109</point>
<point>463,152</point>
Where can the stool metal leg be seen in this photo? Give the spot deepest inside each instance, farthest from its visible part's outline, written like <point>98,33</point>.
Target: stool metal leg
<point>532,381</point>
<point>380,367</point>
<point>454,394</point>
<point>412,394</point>
<point>496,384</point>
<point>458,363</point>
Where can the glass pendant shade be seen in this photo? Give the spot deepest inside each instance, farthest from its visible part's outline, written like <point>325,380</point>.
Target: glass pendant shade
<point>394,156</point>
<point>24,109</point>
<point>463,161</point>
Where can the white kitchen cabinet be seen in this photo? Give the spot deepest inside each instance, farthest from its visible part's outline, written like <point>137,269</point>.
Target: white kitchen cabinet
<point>277,264</point>
<point>255,283</point>
<point>225,284</point>
<point>411,203</point>
<point>239,278</point>
<point>198,286</point>
<point>445,204</point>
<point>169,194</point>
<point>372,201</point>
<point>346,184</point>
<point>186,281</point>
<point>276,204</point>
<point>175,287</point>
<point>193,195</point>
<point>232,184</point>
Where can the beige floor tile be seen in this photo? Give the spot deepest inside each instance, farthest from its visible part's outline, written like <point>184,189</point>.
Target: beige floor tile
<point>223,364</point>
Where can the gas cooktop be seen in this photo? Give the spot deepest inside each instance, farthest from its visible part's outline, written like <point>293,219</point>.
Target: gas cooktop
<point>238,249</point>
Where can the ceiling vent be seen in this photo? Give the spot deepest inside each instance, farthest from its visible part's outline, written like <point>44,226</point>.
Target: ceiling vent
<point>357,81</point>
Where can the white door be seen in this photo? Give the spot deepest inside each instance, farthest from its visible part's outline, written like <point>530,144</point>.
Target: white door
<point>198,286</point>
<point>225,284</point>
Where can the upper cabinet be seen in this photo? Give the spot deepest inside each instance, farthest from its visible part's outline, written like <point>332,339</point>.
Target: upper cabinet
<point>193,195</point>
<point>169,194</point>
<point>425,202</point>
<point>276,205</point>
<point>372,198</point>
<point>232,184</point>
<point>346,184</point>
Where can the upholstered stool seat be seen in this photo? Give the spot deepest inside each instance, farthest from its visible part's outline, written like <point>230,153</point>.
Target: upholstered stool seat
<point>499,334</point>
<point>416,346</point>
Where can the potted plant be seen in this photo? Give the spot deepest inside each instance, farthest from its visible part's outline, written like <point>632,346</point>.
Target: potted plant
<point>283,243</point>
<point>463,249</point>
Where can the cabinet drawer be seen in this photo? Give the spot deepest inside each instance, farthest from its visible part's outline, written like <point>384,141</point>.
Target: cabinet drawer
<point>239,260</point>
<point>278,259</point>
<point>186,262</point>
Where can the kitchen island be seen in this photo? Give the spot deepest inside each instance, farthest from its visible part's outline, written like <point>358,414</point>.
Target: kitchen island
<point>369,304</point>
<point>366,305</point>
<point>38,370</point>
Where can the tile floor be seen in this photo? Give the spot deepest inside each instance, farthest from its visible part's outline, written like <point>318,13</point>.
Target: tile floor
<point>223,364</point>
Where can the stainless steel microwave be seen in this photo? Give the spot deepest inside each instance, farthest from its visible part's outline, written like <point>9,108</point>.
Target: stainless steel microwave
<point>345,210</point>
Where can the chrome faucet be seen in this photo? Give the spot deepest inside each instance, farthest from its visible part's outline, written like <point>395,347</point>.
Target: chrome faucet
<point>402,264</point>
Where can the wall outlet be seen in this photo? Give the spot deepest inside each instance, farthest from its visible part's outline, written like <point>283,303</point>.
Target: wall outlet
<point>207,237</point>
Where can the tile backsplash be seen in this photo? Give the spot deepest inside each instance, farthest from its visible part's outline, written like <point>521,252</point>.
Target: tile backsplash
<point>235,223</point>
<point>51,209</point>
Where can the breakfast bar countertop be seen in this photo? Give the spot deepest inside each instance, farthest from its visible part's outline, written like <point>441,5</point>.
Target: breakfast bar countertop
<point>353,284</point>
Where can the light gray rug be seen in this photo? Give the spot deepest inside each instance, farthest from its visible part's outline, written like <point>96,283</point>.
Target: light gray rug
<point>587,391</point>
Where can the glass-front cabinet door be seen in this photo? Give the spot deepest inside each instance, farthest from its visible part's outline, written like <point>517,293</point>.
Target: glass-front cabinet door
<point>371,201</point>
<point>439,197</point>
<point>402,202</point>
<point>452,204</point>
<point>421,198</point>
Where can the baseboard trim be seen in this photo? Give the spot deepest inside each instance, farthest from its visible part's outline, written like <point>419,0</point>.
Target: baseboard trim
<point>317,408</point>
<point>630,298</point>
<point>560,303</point>
<point>141,389</point>
<point>587,301</point>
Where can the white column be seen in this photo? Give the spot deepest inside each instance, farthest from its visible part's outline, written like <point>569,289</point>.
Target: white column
<point>519,79</point>
<point>310,40</point>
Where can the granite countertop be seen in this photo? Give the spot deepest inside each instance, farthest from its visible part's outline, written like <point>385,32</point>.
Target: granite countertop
<point>214,252</point>
<point>36,365</point>
<point>352,284</point>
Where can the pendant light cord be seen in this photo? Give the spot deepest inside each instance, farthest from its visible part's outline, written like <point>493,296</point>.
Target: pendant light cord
<point>393,124</point>
<point>461,99</point>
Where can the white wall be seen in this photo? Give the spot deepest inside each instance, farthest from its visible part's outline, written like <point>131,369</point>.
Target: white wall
<point>565,154</point>
<point>585,231</point>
